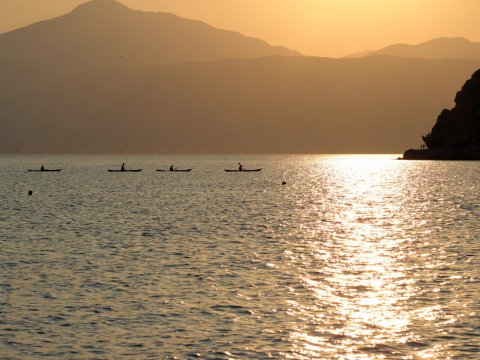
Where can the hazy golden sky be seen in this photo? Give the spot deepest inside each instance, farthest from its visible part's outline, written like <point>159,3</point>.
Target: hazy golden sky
<point>313,27</point>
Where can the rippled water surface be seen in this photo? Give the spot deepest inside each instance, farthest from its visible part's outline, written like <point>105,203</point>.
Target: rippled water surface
<point>356,257</point>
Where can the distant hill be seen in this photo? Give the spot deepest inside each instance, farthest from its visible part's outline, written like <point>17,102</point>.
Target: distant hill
<point>264,105</point>
<point>441,48</point>
<point>359,55</point>
<point>105,33</point>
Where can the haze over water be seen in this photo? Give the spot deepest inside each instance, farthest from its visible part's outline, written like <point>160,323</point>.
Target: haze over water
<point>357,257</point>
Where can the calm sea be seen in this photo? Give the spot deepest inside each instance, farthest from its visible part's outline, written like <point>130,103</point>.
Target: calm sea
<point>356,257</point>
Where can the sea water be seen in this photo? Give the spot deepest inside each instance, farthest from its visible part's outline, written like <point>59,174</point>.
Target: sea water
<point>355,257</point>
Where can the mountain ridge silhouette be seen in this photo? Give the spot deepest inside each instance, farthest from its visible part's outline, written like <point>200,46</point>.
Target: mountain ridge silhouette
<point>438,48</point>
<point>105,33</point>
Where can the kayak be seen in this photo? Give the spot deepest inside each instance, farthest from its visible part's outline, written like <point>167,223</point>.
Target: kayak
<point>45,170</point>
<point>248,170</point>
<point>134,170</point>
<point>179,170</point>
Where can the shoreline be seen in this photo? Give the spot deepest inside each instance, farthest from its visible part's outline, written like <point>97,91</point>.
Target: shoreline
<point>465,154</point>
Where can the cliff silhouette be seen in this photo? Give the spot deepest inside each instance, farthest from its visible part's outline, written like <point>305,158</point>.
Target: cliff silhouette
<point>456,134</point>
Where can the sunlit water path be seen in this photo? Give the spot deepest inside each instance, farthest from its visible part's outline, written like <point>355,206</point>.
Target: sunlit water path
<point>357,257</point>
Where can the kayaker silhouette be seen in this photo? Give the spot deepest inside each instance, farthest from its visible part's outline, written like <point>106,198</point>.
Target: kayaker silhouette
<point>123,167</point>
<point>42,168</point>
<point>171,168</point>
<point>240,167</point>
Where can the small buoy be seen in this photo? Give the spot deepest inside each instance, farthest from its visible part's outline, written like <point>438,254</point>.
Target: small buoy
<point>30,192</point>
<point>284,183</point>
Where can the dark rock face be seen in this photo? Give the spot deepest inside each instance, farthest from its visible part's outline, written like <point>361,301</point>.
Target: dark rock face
<point>456,134</point>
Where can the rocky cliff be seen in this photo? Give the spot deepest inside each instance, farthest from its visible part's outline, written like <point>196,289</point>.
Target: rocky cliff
<point>456,134</point>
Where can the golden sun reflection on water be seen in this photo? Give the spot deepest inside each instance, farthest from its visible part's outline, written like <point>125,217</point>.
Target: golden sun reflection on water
<point>359,276</point>
<point>356,257</point>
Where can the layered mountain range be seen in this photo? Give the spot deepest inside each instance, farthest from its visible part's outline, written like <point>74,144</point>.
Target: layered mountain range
<point>108,79</point>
